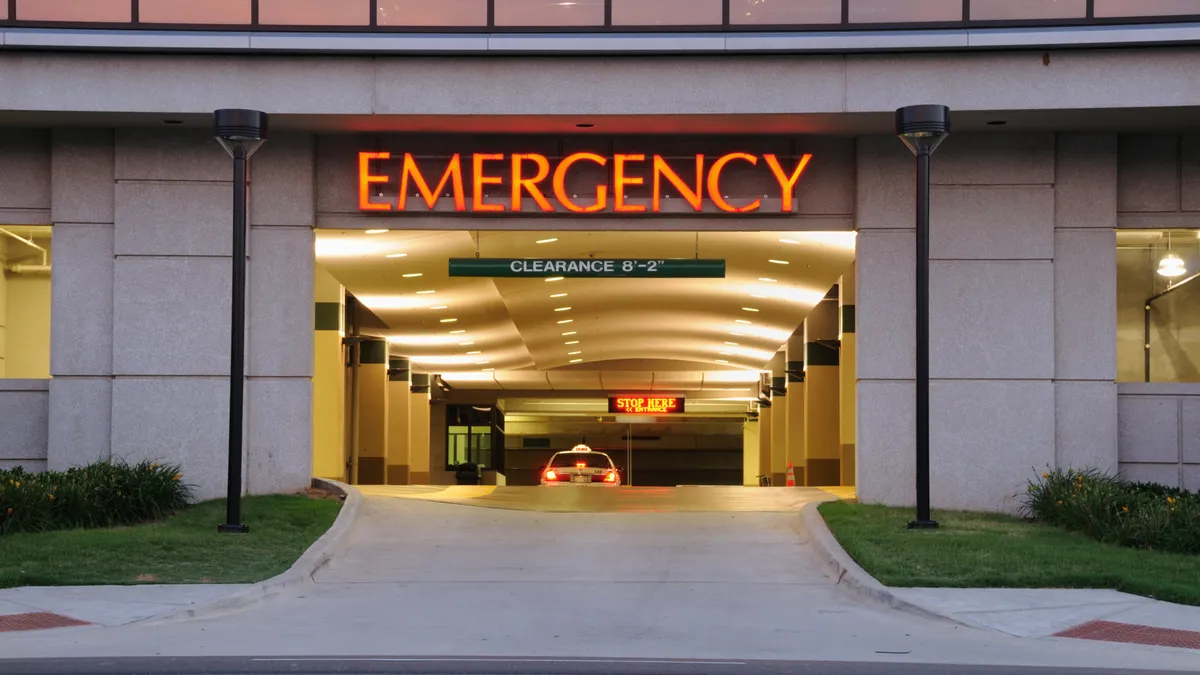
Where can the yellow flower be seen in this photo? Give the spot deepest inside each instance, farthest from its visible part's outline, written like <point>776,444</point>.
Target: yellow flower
<point>177,477</point>
<point>153,466</point>
<point>18,485</point>
<point>1125,509</point>
<point>1060,501</point>
<point>1170,500</point>
<point>1045,475</point>
<point>51,495</point>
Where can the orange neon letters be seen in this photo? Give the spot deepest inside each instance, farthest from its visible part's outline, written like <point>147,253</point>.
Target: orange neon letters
<point>620,180</point>
<point>560,180</point>
<point>714,187</point>
<point>453,173</point>
<point>365,179</point>
<point>481,180</point>
<point>520,184</point>
<point>787,184</point>
<point>661,169</point>
<point>526,183</point>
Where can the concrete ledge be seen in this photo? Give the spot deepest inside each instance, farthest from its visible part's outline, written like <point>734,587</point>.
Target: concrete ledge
<point>300,573</point>
<point>854,578</point>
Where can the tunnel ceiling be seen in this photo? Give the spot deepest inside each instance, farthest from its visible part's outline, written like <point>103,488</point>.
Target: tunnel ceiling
<point>695,324</point>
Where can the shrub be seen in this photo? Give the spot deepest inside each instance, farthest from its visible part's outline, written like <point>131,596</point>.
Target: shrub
<point>104,494</point>
<point>1114,511</point>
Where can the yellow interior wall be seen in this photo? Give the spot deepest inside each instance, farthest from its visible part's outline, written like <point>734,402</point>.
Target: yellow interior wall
<point>25,318</point>
<point>329,390</point>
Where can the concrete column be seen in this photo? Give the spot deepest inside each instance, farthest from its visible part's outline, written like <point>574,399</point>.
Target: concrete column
<point>750,452</point>
<point>765,415</point>
<point>1085,314</point>
<point>329,373</point>
<point>372,412</point>
<point>418,430</point>
<point>847,381</point>
<point>795,410</point>
<point>779,420</point>
<point>399,393</point>
<point>822,430</point>
<point>81,325</point>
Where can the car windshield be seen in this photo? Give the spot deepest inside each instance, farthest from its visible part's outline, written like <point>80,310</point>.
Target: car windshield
<point>592,460</point>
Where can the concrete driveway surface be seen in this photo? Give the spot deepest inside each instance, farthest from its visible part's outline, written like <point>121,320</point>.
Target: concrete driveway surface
<point>687,573</point>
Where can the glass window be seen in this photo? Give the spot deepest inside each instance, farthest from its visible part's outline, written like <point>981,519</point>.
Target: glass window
<point>904,11</point>
<point>784,12</point>
<point>425,13</point>
<point>1004,10</point>
<point>1111,8</point>
<point>74,10</point>
<point>314,12</point>
<point>549,12</point>
<point>666,12</point>
<point>1156,268</point>
<point>458,443</point>
<point>25,257</point>
<point>190,11</point>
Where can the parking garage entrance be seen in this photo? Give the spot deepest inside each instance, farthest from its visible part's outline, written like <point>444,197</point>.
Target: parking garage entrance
<point>722,373</point>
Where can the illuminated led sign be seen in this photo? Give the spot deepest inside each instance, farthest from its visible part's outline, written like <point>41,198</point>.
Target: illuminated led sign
<point>533,182</point>
<point>681,268</point>
<point>645,405</point>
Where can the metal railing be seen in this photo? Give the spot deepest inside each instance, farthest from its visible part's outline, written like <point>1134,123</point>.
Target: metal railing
<point>492,16</point>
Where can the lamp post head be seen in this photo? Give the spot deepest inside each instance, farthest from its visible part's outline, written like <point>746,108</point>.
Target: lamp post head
<point>240,132</point>
<point>923,127</point>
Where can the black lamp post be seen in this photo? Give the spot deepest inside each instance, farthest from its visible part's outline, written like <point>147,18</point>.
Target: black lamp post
<point>923,128</point>
<point>241,133</point>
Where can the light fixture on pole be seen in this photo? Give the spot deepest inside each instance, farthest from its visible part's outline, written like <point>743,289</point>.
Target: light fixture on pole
<point>923,128</point>
<point>241,133</point>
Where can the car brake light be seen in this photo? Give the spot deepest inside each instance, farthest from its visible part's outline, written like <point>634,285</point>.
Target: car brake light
<point>551,475</point>
<point>580,465</point>
<point>611,477</point>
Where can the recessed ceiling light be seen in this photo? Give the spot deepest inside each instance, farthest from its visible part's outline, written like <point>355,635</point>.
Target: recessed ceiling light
<point>449,320</point>
<point>570,332</point>
<point>396,255</point>
<point>561,309</point>
<point>551,240</point>
<point>554,278</point>
<point>722,361</point>
<point>732,343</point>
<point>376,231</point>
<point>788,241</point>
<point>411,275</point>
<point>572,342</point>
<point>566,321</point>
<point>465,344</point>
<point>576,361</point>
<point>559,295</point>
<point>749,309</point>
<point>456,332</point>
<point>768,280</point>
<point>440,307</point>
<point>425,292</point>
<point>741,321</point>
<point>473,353</point>
<point>573,353</point>
<point>779,262</point>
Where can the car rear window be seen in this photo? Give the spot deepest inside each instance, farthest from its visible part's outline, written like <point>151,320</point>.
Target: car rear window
<point>593,460</point>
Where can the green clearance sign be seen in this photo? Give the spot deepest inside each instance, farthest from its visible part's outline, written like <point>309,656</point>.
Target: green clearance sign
<point>680,268</point>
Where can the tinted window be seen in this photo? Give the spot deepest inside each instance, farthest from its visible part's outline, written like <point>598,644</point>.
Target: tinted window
<point>593,460</point>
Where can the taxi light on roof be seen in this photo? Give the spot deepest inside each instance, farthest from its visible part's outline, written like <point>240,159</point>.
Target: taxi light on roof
<point>581,448</point>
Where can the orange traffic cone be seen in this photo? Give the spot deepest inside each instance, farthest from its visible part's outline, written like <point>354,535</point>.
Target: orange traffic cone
<point>791,476</point>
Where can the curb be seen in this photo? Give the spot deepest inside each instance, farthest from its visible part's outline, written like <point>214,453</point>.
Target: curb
<point>853,577</point>
<point>301,572</point>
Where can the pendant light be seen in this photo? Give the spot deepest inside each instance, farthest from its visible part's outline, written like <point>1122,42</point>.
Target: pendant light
<point>1171,265</point>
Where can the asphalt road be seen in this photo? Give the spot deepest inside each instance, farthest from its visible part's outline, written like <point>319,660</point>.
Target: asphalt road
<point>484,666</point>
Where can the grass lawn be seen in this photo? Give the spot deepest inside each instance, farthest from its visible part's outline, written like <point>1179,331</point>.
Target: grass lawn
<point>982,550</point>
<point>185,548</point>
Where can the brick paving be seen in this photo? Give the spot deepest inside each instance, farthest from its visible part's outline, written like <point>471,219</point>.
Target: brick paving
<point>1111,631</point>
<point>37,621</point>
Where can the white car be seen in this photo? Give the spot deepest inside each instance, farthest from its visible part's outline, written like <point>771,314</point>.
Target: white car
<point>581,466</point>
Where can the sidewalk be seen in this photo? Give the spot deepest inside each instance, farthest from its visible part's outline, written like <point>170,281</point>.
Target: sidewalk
<point>1054,613</point>
<point>50,607</point>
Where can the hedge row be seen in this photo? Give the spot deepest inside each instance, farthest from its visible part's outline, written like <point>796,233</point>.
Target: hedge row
<point>1115,511</point>
<point>104,494</point>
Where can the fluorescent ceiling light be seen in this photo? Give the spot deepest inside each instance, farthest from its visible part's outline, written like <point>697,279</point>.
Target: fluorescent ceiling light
<point>466,344</point>
<point>562,309</point>
<point>551,240</point>
<point>559,295</point>
<point>573,353</point>
<point>425,292</point>
<point>396,255</point>
<point>440,307</point>
<point>779,262</point>
<point>788,241</point>
<point>741,321</point>
<point>572,342</point>
<point>473,353</point>
<point>449,320</point>
<point>731,343</point>
<point>768,280</point>
<point>576,361</point>
<point>570,332</point>
<point>554,278</point>
<point>566,321</point>
<point>749,309</point>
<point>421,340</point>
<point>456,332</point>
<point>732,376</point>
<point>722,361</point>
<point>411,275</point>
<point>376,231</point>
